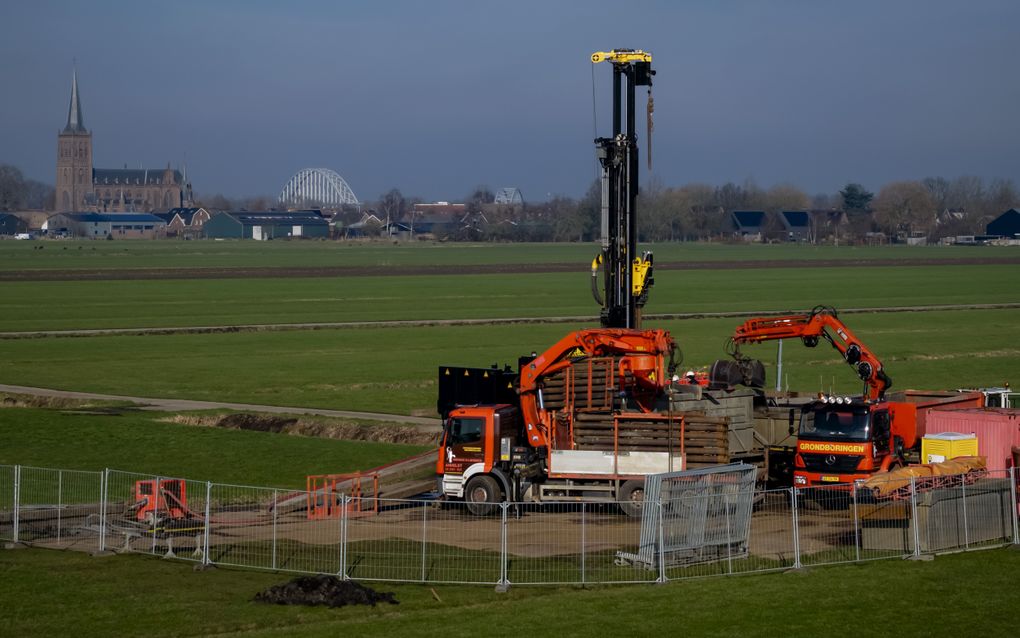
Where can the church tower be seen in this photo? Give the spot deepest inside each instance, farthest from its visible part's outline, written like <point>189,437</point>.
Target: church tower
<point>74,157</point>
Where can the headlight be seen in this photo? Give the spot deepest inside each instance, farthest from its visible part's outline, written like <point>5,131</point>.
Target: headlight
<point>839,400</point>
<point>847,399</point>
<point>799,480</point>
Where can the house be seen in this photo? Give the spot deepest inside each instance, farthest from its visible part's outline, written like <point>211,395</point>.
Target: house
<point>749,224</point>
<point>797,224</point>
<point>264,225</point>
<point>12,224</point>
<point>185,222</point>
<point>1006,225</point>
<point>107,225</point>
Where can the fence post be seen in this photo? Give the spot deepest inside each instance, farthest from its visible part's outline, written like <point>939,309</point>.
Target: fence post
<point>966,526</point>
<point>104,486</point>
<point>208,523</point>
<point>914,518</point>
<point>662,547</point>
<point>857,526</point>
<point>424,537</point>
<point>60,499</point>
<point>503,585</point>
<point>796,528</point>
<point>275,503</point>
<point>345,502</point>
<point>729,535</point>
<point>1014,506</point>
<point>584,541</point>
<point>17,501</point>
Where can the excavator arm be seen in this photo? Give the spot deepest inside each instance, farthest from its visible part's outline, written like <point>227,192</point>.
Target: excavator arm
<point>821,323</point>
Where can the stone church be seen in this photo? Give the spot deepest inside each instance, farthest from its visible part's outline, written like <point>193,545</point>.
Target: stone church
<point>80,187</point>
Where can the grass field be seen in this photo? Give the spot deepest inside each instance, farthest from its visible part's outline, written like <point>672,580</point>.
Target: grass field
<point>65,305</point>
<point>957,595</point>
<point>394,369</point>
<point>140,441</point>
<point>220,254</point>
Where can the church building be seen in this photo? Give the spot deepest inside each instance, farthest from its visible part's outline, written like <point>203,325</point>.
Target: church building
<point>80,187</point>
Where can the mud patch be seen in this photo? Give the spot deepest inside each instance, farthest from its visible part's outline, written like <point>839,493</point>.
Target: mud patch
<point>339,429</point>
<point>58,403</point>
<point>323,591</point>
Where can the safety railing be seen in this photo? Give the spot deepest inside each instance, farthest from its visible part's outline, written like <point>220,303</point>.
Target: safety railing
<point>687,534</point>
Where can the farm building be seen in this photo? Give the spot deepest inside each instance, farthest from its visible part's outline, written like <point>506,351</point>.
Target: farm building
<point>11,224</point>
<point>1005,225</point>
<point>266,225</point>
<point>749,224</point>
<point>797,224</point>
<point>185,222</point>
<point>103,225</point>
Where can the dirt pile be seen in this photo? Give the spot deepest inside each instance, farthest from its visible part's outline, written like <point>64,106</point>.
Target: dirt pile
<point>318,428</point>
<point>328,591</point>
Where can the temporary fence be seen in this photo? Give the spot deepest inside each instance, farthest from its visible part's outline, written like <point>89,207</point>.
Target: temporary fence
<point>716,525</point>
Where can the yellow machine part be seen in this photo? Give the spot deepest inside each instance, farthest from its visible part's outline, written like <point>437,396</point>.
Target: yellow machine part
<point>641,267</point>
<point>620,56</point>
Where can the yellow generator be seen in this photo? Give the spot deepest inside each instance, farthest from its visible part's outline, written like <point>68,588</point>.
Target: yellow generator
<point>936,448</point>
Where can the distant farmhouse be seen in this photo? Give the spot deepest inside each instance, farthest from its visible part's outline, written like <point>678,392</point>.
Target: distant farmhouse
<point>1006,225</point>
<point>106,225</point>
<point>264,225</point>
<point>81,187</point>
<point>185,222</point>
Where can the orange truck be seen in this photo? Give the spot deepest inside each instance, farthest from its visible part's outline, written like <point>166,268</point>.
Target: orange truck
<point>841,438</point>
<point>582,421</point>
<point>845,439</point>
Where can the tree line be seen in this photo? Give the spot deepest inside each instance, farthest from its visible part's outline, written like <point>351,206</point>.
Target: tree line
<point>932,207</point>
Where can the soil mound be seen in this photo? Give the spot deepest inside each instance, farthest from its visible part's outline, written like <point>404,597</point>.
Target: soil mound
<point>328,591</point>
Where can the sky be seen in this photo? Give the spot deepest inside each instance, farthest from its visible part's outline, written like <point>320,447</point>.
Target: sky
<point>438,97</point>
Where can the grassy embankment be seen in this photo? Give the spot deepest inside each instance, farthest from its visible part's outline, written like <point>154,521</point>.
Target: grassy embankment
<point>963,594</point>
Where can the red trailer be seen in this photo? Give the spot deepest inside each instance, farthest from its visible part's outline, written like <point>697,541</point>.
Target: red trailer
<point>997,430</point>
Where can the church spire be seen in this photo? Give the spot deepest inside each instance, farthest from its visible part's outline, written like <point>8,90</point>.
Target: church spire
<point>75,122</point>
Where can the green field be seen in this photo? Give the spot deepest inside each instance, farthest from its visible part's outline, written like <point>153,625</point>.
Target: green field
<point>46,593</point>
<point>225,254</point>
<point>394,369</point>
<point>142,442</point>
<point>63,305</point>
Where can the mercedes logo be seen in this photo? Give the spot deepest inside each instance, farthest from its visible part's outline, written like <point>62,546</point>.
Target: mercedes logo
<point>830,460</point>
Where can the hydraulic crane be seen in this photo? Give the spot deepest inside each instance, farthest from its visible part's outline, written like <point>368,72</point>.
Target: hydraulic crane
<point>821,323</point>
<point>627,276</point>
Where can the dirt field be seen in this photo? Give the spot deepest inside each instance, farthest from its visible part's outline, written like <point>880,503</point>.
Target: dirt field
<point>477,269</point>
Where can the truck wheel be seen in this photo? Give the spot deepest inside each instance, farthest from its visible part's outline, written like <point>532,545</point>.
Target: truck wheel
<point>482,494</point>
<point>632,497</point>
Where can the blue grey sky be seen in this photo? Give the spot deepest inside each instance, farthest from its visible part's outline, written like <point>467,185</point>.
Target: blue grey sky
<point>438,97</point>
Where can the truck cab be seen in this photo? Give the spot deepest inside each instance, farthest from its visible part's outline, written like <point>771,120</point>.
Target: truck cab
<point>845,439</point>
<point>840,442</point>
<point>475,454</point>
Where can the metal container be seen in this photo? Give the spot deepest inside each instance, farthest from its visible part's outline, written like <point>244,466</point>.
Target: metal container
<point>997,430</point>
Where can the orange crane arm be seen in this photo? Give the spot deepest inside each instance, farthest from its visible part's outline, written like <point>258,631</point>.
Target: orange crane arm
<point>642,356</point>
<point>821,322</point>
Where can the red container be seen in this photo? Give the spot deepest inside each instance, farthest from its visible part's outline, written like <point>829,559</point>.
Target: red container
<point>997,430</point>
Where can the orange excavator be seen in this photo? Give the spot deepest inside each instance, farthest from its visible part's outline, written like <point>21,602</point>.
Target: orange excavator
<point>581,420</point>
<point>841,439</point>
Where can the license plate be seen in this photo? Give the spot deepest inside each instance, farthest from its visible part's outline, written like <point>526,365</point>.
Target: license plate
<point>830,479</point>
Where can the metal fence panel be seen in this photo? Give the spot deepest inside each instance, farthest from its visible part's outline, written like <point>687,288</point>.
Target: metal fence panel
<point>59,509</point>
<point>7,476</point>
<point>770,543</point>
<point>705,525</point>
<point>423,541</point>
<point>827,529</point>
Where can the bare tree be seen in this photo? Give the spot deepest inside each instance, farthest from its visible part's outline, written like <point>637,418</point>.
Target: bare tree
<point>12,188</point>
<point>904,207</point>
